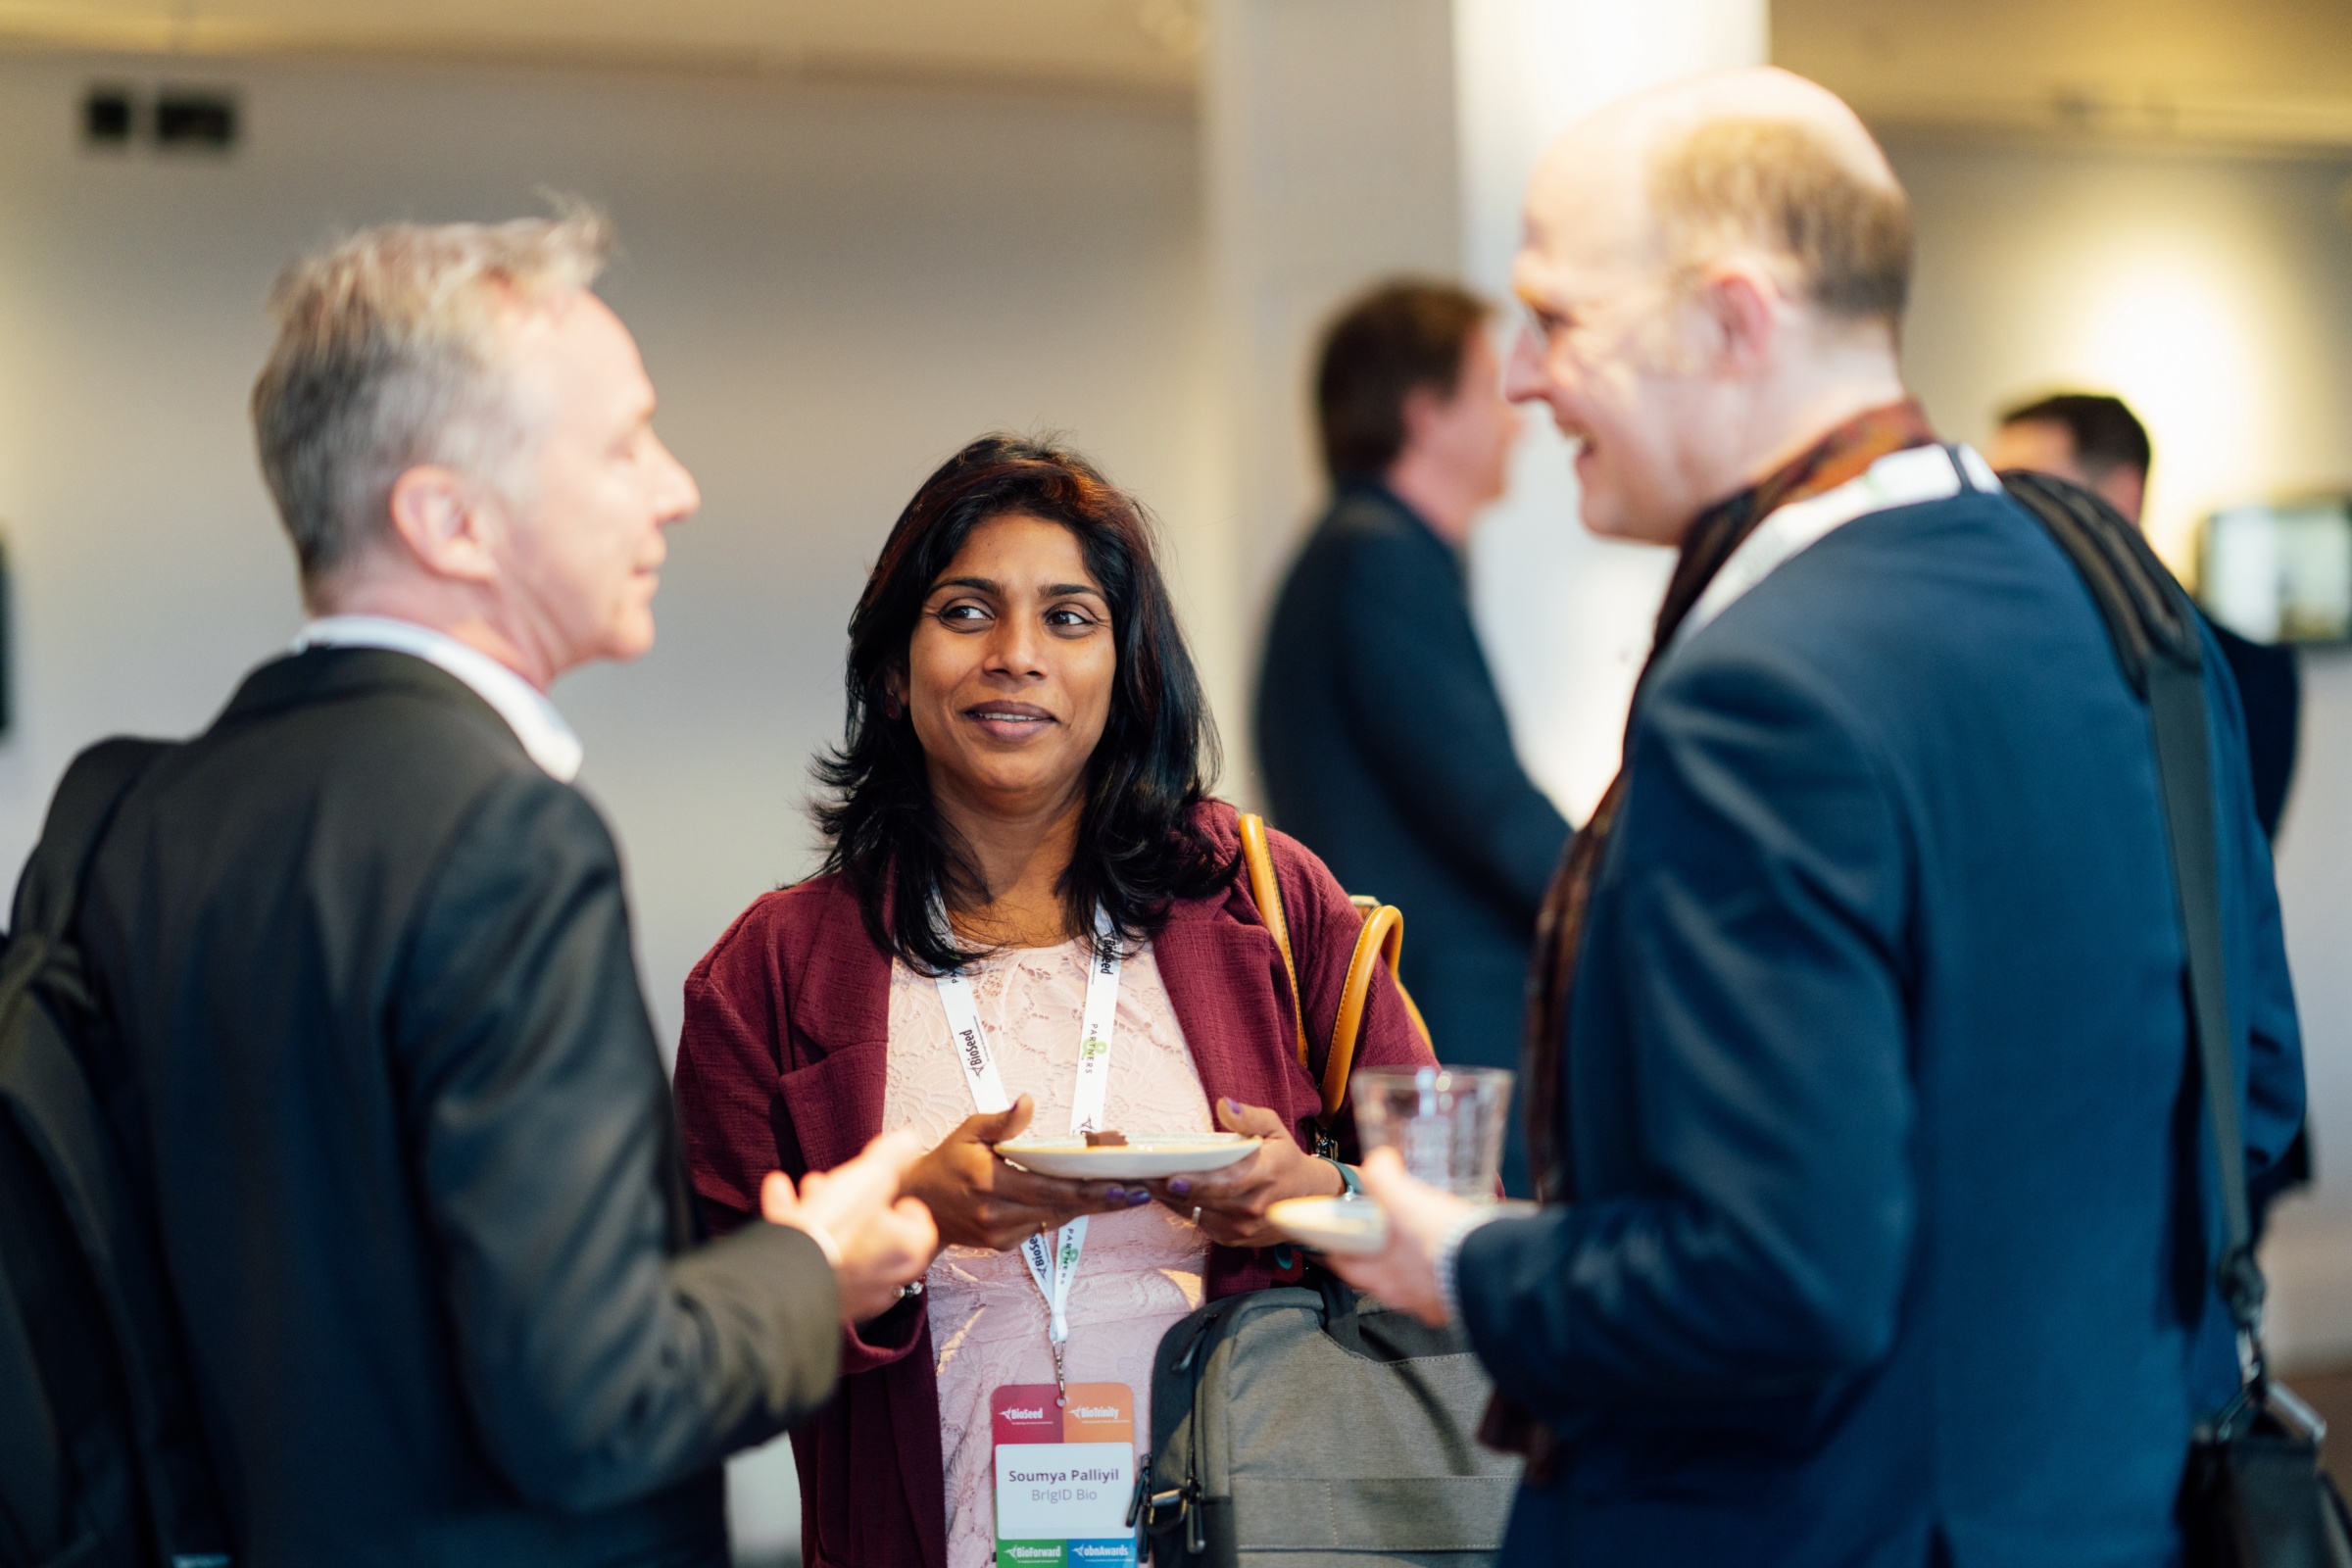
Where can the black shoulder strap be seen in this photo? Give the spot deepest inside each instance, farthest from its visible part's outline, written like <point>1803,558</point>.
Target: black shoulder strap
<point>2155,632</point>
<point>79,813</point>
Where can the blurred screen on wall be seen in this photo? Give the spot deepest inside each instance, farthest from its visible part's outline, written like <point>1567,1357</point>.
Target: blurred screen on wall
<point>2279,572</point>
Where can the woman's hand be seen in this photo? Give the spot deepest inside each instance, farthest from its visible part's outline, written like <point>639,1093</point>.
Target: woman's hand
<point>1231,1204</point>
<point>980,1200</point>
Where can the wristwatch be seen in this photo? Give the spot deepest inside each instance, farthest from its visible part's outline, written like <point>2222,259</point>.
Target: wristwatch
<point>1351,1185</point>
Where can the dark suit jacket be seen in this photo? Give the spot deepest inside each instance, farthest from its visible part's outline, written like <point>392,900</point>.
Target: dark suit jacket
<point>1387,751</point>
<point>413,1156</point>
<point>2269,690</point>
<point>1889,1247</point>
<point>782,1063</point>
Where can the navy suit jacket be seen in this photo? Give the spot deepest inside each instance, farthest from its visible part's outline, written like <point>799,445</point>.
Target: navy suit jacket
<point>1387,751</point>
<point>1893,1224</point>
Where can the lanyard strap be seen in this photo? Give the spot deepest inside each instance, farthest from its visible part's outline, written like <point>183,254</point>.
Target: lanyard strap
<point>1052,1265</point>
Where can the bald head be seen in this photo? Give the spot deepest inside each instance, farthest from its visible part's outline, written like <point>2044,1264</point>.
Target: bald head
<point>1755,162</point>
<point>1715,267</point>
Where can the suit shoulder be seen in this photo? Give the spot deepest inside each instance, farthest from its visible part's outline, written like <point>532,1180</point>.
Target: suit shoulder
<point>1365,526</point>
<point>423,725</point>
<point>1898,574</point>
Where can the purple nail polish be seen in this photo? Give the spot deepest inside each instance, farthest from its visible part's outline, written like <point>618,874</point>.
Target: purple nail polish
<point>1118,1193</point>
<point>1136,1197</point>
<point>1180,1187</point>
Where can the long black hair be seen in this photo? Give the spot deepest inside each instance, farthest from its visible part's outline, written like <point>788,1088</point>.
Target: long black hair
<point>1138,844</point>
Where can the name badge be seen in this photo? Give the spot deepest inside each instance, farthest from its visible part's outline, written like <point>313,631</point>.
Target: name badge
<point>1064,1475</point>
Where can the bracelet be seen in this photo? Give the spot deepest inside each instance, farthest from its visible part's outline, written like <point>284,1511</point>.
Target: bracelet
<point>1351,1184</point>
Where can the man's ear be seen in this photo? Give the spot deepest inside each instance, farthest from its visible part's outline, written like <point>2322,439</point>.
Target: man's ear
<point>442,519</point>
<point>1421,409</point>
<point>1740,301</point>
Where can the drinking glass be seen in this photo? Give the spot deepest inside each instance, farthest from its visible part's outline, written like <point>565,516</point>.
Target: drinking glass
<point>1446,1123</point>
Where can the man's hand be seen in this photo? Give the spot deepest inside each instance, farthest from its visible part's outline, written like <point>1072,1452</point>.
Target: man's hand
<point>1404,1273</point>
<point>876,1238</point>
<point>980,1200</point>
<point>1232,1203</point>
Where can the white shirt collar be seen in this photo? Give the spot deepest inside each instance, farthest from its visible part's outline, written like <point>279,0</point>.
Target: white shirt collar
<point>550,741</point>
<point>1902,478</point>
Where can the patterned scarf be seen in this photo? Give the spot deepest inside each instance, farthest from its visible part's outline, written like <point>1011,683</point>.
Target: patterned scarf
<point>1845,453</point>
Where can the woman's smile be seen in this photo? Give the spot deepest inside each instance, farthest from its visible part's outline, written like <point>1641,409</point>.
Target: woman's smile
<point>1010,721</point>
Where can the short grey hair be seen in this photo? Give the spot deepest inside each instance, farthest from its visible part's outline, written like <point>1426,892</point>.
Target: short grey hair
<point>1781,186</point>
<point>388,358</point>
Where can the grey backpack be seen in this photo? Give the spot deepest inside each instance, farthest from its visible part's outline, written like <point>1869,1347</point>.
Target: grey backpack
<point>1313,1427</point>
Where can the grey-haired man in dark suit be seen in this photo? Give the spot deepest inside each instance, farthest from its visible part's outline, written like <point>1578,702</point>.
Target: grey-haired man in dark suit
<point>365,953</point>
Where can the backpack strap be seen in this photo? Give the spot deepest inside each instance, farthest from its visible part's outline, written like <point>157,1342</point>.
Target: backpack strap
<point>2154,629</point>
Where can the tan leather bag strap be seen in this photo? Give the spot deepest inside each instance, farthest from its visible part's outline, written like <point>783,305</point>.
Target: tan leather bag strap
<point>1382,937</point>
<point>1381,941</point>
<point>1258,856</point>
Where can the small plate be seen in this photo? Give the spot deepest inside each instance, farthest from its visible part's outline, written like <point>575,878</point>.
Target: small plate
<point>1352,1226</point>
<point>1143,1158</point>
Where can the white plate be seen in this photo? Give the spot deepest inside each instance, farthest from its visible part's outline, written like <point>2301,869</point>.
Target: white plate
<point>1143,1158</point>
<point>1347,1225</point>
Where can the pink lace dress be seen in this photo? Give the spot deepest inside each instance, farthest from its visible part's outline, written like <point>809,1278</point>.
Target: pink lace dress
<point>1142,1271</point>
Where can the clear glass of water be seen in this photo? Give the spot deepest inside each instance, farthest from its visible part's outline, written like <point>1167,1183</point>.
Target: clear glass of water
<point>1446,1123</point>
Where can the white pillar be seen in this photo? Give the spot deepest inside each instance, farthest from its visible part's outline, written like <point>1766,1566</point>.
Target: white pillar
<point>1565,618</point>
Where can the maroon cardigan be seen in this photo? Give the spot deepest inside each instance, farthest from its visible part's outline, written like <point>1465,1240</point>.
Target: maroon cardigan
<point>781,1066</point>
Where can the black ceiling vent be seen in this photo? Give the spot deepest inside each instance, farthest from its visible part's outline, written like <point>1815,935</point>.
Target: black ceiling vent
<point>108,115</point>
<point>195,119</point>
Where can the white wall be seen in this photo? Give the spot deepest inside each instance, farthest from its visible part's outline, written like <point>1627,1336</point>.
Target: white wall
<point>2214,294</point>
<point>833,288</point>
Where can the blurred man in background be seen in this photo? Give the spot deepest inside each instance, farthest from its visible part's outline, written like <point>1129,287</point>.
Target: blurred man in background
<point>2098,442</point>
<point>368,955</point>
<point>1385,745</point>
<point>1878,1235</point>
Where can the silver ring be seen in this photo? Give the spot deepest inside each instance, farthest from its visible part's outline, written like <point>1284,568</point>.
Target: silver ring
<point>1196,1213</point>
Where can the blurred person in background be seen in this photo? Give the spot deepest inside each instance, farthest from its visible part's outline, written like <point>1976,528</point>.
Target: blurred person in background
<point>1384,743</point>
<point>1021,797</point>
<point>1875,1232</point>
<point>366,952</point>
<point>2099,443</point>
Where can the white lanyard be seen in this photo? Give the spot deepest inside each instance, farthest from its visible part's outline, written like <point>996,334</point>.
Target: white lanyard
<point>1053,1269</point>
<point>1902,478</point>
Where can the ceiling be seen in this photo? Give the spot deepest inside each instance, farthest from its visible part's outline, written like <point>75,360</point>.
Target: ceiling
<point>2275,72</point>
<point>2265,71</point>
<point>1140,45</point>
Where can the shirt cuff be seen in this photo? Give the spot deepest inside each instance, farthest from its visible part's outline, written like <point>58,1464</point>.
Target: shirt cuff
<point>1449,1256</point>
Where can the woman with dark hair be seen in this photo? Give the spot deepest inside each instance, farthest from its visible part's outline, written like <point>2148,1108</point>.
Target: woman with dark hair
<point>1023,852</point>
